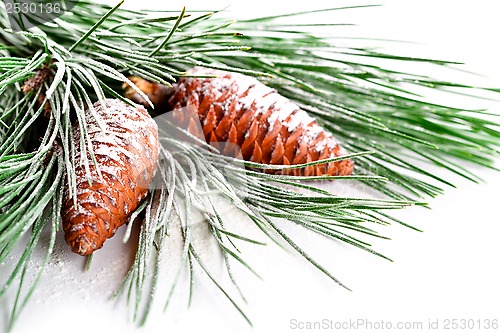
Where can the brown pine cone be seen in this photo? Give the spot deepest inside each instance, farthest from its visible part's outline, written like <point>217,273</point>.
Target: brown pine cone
<point>157,93</point>
<point>269,128</point>
<point>36,82</point>
<point>127,157</point>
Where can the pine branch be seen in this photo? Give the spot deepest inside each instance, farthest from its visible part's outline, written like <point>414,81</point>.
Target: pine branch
<point>90,53</point>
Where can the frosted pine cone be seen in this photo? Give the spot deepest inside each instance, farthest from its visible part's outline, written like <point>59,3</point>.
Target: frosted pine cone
<point>269,128</point>
<point>36,82</point>
<point>126,156</point>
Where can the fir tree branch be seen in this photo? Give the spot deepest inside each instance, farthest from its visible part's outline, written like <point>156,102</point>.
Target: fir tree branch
<point>364,105</point>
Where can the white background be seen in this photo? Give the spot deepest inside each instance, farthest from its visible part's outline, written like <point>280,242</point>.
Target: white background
<point>448,271</point>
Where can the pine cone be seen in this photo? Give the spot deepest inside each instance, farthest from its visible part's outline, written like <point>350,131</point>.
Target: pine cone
<point>126,156</point>
<point>36,82</point>
<point>157,93</point>
<point>267,127</point>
